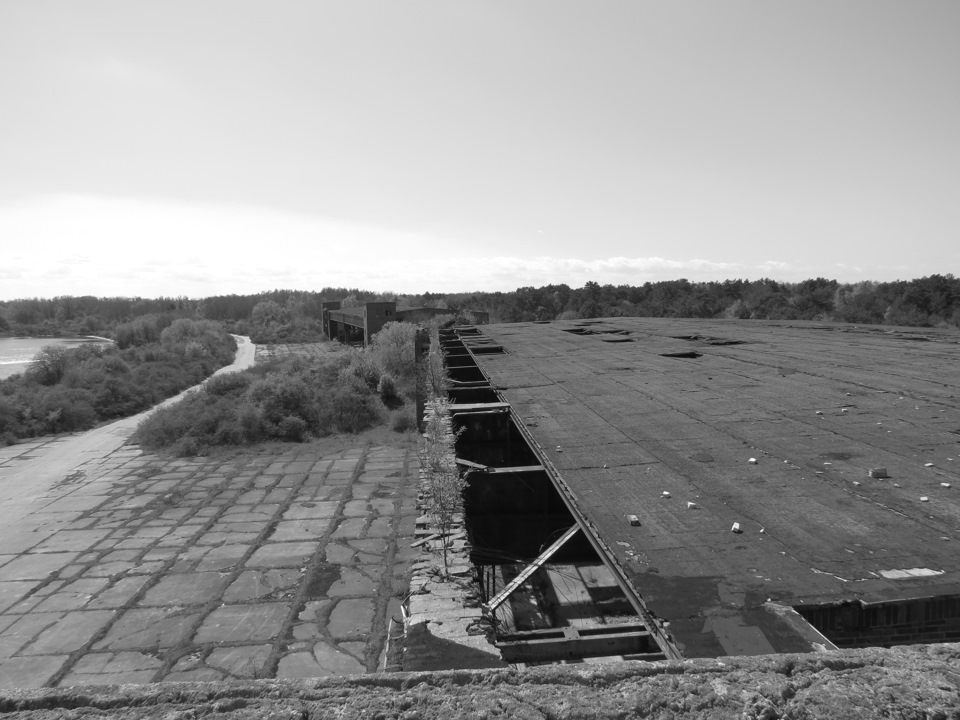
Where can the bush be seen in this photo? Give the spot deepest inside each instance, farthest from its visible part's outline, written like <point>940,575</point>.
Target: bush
<point>293,429</point>
<point>288,399</point>
<point>64,410</point>
<point>228,383</point>
<point>283,396</point>
<point>404,420</point>
<point>74,389</point>
<point>393,350</point>
<point>387,387</point>
<point>49,365</point>
<point>186,447</point>
<point>350,408</point>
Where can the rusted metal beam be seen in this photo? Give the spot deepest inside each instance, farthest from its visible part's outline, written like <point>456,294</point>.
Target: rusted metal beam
<point>573,643</point>
<point>516,469</point>
<point>472,465</point>
<point>531,569</point>
<point>560,632</point>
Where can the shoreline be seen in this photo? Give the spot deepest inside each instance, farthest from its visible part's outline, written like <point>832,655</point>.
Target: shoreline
<point>7,334</point>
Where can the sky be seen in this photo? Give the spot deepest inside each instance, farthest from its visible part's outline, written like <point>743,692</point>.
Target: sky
<point>202,147</point>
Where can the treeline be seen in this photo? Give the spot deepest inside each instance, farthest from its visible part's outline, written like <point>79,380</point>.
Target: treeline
<point>86,315</point>
<point>65,390</point>
<point>928,301</point>
<point>295,316</point>
<point>282,315</point>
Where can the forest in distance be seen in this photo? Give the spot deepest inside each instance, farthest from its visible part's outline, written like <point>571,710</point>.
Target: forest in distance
<point>294,315</point>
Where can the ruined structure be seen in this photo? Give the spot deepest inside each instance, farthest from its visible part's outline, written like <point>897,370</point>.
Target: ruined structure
<point>358,325</point>
<point>650,489</point>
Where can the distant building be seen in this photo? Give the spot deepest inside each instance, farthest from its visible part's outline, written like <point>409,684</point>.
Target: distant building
<point>358,325</point>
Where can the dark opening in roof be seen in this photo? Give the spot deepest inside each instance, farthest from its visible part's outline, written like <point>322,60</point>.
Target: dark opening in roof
<point>691,354</point>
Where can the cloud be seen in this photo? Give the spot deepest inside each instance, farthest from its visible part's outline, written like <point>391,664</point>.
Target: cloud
<point>120,72</point>
<point>81,244</point>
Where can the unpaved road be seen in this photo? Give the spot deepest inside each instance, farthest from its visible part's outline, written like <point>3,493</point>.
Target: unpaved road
<point>29,470</point>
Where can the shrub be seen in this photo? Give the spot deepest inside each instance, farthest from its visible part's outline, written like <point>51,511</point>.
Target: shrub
<point>293,429</point>
<point>287,399</point>
<point>393,350</point>
<point>250,424</point>
<point>282,396</point>
<point>351,408</point>
<point>387,387</point>
<point>186,447</point>
<point>403,420</point>
<point>228,383</point>
<point>64,410</point>
<point>49,365</point>
<point>363,367</point>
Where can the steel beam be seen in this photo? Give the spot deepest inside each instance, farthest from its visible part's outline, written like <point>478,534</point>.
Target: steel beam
<point>531,569</point>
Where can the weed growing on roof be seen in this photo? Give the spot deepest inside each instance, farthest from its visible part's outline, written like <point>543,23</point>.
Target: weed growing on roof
<point>443,485</point>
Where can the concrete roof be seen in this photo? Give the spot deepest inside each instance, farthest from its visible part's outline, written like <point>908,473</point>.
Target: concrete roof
<point>816,405</point>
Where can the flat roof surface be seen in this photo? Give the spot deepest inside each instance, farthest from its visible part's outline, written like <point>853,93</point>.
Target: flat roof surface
<point>816,405</point>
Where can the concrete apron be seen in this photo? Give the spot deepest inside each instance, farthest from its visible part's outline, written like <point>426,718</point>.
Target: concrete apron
<point>136,569</point>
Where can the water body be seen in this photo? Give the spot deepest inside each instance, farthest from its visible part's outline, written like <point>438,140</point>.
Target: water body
<point>17,352</point>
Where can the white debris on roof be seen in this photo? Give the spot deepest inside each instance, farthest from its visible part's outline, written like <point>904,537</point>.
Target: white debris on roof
<point>910,573</point>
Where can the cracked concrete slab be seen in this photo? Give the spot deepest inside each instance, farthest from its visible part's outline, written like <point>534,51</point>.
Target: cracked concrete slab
<point>145,569</point>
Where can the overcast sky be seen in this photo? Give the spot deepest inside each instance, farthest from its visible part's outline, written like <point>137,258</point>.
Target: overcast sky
<point>197,147</point>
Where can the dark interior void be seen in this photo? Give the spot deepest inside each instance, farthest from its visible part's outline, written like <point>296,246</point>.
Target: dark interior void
<point>516,516</point>
<point>469,373</point>
<point>906,622</point>
<point>493,440</point>
<point>457,361</point>
<point>507,538</point>
<point>469,395</point>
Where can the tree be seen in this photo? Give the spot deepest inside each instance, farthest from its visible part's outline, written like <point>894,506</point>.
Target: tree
<point>393,349</point>
<point>268,313</point>
<point>49,365</point>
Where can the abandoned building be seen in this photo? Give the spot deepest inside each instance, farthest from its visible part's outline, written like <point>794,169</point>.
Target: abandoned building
<point>653,488</point>
<point>357,325</point>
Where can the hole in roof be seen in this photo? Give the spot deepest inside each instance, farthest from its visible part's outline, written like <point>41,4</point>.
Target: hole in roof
<point>577,331</point>
<point>718,341</point>
<point>617,339</point>
<point>488,350</point>
<point>690,355</point>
